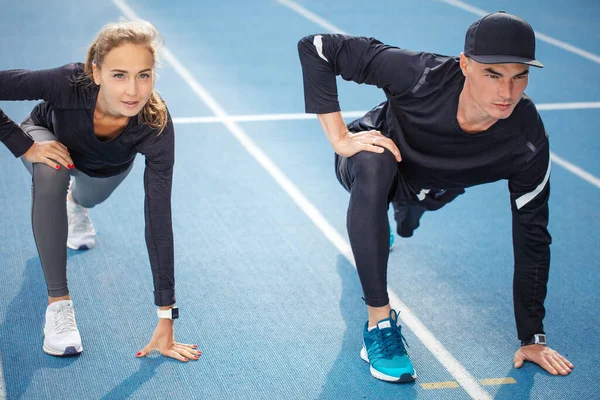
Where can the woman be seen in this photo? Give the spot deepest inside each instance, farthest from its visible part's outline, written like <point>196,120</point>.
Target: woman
<point>79,144</point>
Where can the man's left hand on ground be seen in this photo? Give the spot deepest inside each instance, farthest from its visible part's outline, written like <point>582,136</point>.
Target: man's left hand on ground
<point>545,357</point>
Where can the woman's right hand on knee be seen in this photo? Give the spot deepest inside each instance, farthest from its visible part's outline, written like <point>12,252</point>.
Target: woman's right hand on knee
<point>51,153</point>
<point>351,143</point>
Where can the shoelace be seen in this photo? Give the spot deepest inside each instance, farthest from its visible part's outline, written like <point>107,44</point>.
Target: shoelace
<point>392,342</point>
<point>64,319</point>
<point>81,218</point>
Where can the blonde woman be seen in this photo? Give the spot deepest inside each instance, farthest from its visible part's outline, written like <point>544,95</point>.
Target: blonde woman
<point>79,144</point>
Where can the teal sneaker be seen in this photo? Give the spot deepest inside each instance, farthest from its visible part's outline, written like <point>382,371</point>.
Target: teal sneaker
<point>384,350</point>
<point>392,238</point>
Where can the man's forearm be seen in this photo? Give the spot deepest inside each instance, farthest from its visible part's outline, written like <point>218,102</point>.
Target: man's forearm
<point>333,125</point>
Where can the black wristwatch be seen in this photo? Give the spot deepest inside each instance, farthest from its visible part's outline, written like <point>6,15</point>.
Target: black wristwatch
<point>538,338</point>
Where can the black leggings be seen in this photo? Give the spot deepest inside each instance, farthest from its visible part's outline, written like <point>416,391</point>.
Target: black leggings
<point>371,180</point>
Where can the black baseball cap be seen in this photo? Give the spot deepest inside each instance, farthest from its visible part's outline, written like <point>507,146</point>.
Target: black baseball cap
<point>501,38</point>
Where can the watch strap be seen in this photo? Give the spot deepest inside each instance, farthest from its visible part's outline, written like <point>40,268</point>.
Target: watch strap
<point>171,313</point>
<point>538,338</point>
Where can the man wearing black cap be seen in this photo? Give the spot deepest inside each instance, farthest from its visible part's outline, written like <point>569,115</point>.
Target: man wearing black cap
<point>448,123</point>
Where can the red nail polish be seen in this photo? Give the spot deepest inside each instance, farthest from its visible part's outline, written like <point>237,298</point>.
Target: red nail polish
<point>195,357</point>
<point>57,167</point>
<point>195,346</point>
<point>138,354</point>
<point>185,359</point>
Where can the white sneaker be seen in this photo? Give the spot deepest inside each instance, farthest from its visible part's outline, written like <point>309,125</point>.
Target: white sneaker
<point>61,336</point>
<point>82,234</point>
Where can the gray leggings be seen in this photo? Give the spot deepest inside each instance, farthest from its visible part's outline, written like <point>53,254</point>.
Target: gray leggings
<point>49,211</point>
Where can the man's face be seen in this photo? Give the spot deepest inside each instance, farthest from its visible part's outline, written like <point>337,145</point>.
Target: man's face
<point>495,88</point>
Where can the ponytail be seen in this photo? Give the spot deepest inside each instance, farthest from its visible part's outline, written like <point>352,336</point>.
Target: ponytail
<point>154,113</point>
<point>89,60</point>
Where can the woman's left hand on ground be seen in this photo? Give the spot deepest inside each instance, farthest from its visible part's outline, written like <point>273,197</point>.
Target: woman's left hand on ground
<point>545,357</point>
<point>163,340</point>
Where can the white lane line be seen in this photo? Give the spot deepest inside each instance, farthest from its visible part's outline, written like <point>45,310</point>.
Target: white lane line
<point>567,106</point>
<point>541,36</point>
<point>349,114</point>
<point>309,15</point>
<point>470,384</point>
<point>245,118</point>
<point>586,176</point>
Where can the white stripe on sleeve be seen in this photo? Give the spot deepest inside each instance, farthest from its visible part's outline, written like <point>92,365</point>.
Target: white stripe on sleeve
<point>526,198</point>
<point>318,42</point>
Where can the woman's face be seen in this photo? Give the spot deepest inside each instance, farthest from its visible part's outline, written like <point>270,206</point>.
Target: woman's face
<point>126,80</point>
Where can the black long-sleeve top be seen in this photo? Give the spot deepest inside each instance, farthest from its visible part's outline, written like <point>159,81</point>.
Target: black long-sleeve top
<point>422,91</point>
<point>68,111</point>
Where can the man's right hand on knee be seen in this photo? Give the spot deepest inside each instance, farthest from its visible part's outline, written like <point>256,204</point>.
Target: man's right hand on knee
<point>372,141</point>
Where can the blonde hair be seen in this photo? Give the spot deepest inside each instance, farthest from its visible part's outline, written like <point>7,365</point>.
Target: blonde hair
<point>139,32</point>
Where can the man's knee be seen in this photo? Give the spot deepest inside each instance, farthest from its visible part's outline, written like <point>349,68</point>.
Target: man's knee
<point>375,167</point>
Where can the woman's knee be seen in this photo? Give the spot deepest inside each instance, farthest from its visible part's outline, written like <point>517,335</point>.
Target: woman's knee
<point>87,199</point>
<point>87,202</point>
<point>50,182</point>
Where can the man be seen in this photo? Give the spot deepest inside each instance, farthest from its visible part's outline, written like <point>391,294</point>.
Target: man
<point>448,124</point>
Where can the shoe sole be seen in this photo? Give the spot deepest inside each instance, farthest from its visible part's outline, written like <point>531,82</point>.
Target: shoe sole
<point>82,247</point>
<point>69,351</point>
<point>404,378</point>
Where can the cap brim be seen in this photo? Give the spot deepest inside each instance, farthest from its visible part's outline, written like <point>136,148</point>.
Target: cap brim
<point>502,59</point>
